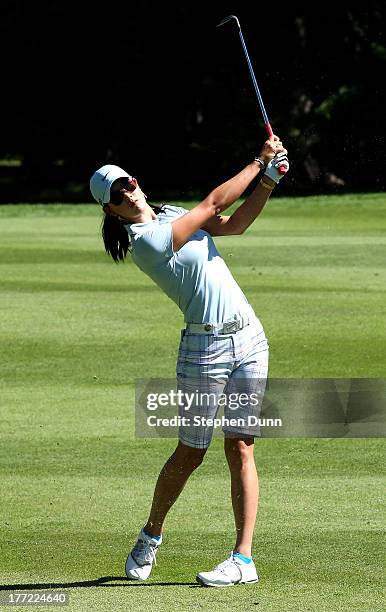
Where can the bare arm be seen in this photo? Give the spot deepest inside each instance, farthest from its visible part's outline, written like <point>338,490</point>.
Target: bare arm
<point>218,200</point>
<point>243,217</point>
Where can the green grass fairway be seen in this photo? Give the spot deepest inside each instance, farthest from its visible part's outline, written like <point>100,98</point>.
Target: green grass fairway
<point>76,485</point>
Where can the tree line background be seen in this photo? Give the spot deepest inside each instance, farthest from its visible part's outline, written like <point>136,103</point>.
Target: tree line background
<point>158,89</point>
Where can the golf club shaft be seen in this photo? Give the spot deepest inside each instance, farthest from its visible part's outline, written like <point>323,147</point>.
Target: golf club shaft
<point>283,168</point>
<point>257,90</point>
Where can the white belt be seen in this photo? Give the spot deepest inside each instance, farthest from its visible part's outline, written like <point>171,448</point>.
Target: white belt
<point>229,327</point>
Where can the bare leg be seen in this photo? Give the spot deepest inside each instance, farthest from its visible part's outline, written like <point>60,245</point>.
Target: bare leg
<point>170,483</point>
<point>244,490</point>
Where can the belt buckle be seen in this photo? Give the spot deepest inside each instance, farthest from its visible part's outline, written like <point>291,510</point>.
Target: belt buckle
<point>231,326</point>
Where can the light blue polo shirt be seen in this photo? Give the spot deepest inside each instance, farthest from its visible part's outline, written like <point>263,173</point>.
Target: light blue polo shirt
<point>196,277</point>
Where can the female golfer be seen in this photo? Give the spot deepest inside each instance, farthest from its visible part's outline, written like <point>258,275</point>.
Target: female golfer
<point>223,347</point>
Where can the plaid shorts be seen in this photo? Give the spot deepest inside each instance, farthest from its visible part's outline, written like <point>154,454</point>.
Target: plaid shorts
<point>221,373</point>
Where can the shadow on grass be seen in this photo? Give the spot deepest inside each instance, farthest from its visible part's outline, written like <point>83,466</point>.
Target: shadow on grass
<point>98,582</point>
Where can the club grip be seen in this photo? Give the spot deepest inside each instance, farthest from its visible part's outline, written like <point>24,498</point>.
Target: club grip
<point>283,169</point>
<point>269,130</point>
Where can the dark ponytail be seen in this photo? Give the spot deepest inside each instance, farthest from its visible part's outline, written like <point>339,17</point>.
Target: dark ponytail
<point>115,237</point>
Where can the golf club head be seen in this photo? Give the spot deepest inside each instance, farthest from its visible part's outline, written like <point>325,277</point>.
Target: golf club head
<point>229,18</point>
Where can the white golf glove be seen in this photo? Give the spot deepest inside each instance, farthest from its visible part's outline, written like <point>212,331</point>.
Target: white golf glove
<point>272,170</point>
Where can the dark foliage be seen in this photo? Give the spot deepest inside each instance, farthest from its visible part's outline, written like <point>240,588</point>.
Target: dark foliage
<point>157,89</point>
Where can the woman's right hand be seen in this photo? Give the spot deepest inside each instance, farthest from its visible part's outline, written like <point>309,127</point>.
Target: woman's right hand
<point>270,148</point>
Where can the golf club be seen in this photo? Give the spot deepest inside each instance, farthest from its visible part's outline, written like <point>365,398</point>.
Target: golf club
<point>283,168</point>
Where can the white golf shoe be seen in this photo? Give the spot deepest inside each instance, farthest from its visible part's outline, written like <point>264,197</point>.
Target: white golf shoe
<point>229,572</point>
<point>140,561</point>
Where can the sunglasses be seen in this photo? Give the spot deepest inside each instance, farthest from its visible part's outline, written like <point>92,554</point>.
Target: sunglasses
<point>123,184</point>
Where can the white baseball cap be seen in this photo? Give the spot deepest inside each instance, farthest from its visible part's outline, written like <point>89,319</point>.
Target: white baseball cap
<point>102,180</point>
